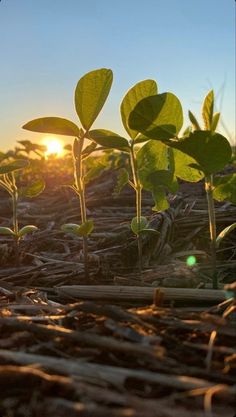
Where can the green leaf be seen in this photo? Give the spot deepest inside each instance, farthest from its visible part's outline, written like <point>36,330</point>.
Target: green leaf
<point>56,125</point>
<point>88,150</point>
<point>207,110</point>
<point>224,233</point>
<point>183,168</point>
<point>211,151</point>
<point>26,230</point>
<point>33,190</point>
<point>93,172</point>
<point>71,228</point>
<point>139,91</point>
<point>86,228</point>
<point>109,139</point>
<point>153,156</point>
<point>13,166</point>
<point>225,188</point>
<point>194,121</point>
<point>6,231</point>
<point>164,178</point>
<point>159,197</point>
<point>136,226</point>
<point>158,117</point>
<point>79,230</point>
<point>90,95</point>
<point>122,180</point>
<point>215,120</point>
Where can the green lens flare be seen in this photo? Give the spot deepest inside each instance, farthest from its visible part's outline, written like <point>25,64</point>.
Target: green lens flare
<point>191,260</point>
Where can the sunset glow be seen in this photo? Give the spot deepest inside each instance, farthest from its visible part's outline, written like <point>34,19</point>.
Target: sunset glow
<point>54,146</point>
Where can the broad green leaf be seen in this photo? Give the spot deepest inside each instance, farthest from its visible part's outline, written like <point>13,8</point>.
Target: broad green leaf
<point>164,178</point>
<point>153,156</point>
<point>183,169</point>
<point>109,139</point>
<point>137,226</point>
<point>13,166</point>
<point>159,197</point>
<point>56,125</point>
<point>139,91</point>
<point>158,117</point>
<point>90,95</point>
<point>86,228</point>
<point>224,233</point>
<point>33,190</point>
<point>211,151</point>
<point>207,110</point>
<point>26,230</point>
<point>215,120</point>
<point>194,121</point>
<point>122,180</point>
<point>225,188</point>
<point>6,231</point>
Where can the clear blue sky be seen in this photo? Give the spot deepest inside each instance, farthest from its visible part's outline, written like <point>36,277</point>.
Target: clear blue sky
<point>47,45</point>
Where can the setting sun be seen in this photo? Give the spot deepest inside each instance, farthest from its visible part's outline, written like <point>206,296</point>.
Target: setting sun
<point>54,146</point>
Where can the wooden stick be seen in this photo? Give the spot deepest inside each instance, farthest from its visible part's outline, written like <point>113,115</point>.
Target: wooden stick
<point>133,294</point>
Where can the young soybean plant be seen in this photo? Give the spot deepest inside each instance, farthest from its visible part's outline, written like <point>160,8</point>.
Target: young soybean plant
<point>159,118</point>
<point>8,183</point>
<point>108,139</point>
<point>90,95</point>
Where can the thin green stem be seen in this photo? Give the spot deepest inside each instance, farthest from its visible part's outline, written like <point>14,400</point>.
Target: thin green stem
<point>138,192</point>
<point>212,226</point>
<point>80,187</point>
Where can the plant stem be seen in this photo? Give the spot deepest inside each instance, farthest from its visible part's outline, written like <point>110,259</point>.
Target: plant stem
<point>212,226</point>
<point>79,183</point>
<point>138,192</point>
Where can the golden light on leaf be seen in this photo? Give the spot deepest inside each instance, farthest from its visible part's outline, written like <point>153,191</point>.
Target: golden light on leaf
<point>54,146</point>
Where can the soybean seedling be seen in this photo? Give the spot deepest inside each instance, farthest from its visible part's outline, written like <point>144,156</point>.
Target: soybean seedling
<point>108,139</point>
<point>160,118</point>
<point>8,183</point>
<point>90,95</point>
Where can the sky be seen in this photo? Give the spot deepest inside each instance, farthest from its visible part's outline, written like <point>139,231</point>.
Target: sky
<point>46,46</point>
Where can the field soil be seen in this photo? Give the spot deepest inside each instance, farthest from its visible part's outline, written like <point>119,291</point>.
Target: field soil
<point>99,353</point>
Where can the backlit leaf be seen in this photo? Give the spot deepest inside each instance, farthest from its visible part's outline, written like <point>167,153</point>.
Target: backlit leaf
<point>158,117</point>
<point>13,166</point>
<point>90,95</point>
<point>224,233</point>
<point>211,151</point>
<point>27,229</point>
<point>183,167</point>
<point>122,180</point>
<point>215,120</point>
<point>207,110</point>
<point>6,231</point>
<point>139,91</point>
<point>109,139</point>
<point>56,125</point>
<point>225,188</point>
<point>33,190</point>
<point>194,121</point>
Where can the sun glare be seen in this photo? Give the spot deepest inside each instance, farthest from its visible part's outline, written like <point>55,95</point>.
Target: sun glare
<point>54,146</point>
